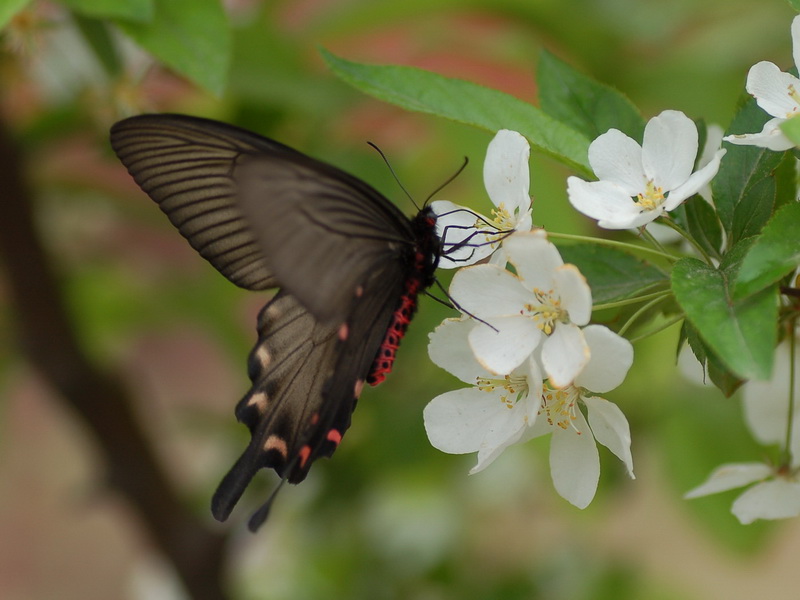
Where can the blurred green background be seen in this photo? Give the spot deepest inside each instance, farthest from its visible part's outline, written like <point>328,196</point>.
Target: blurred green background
<point>389,517</point>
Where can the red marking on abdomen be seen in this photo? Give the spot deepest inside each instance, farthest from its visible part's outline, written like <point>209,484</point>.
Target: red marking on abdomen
<point>384,360</point>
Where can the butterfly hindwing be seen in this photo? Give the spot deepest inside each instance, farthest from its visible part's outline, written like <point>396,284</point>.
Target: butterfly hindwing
<point>297,357</point>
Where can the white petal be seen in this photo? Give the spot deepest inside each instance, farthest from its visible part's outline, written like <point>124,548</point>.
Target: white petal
<point>611,357</point>
<point>776,499</point>
<point>449,348</point>
<point>505,171</point>
<point>610,428</point>
<point>533,257</point>
<point>695,183</point>
<point>669,149</point>
<point>617,159</point>
<point>564,354</point>
<point>605,201</point>
<point>503,350</point>
<point>488,290</point>
<point>796,40</point>
<point>729,477</point>
<point>575,293</point>
<point>772,89</point>
<point>462,243</point>
<point>575,463</point>
<point>766,403</point>
<point>770,137</point>
<point>470,420</point>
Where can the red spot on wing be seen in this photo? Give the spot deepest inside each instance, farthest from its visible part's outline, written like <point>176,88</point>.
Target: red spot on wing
<point>303,455</point>
<point>344,331</point>
<point>334,436</point>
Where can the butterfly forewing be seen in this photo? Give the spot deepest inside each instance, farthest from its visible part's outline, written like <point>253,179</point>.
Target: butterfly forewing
<point>186,165</point>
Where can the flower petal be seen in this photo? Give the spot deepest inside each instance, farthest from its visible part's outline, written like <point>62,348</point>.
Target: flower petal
<point>770,137</point>
<point>611,358</point>
<point>575,293</point>
<point>773,89</point>
<point>564,354</point>
<point>487,291</point>
<point>505,171</point>
<point>575,463</point>
<point>534,258</point>
<point>605,201</point>
<point>695,183</point>
<point>610,428</point>
<point>501,350</point>
<point>617,158</point>
<point>776,499</point>
<point>449,348</point>
<point>471,420</point>
<point>669,149</point>
<point>730,476</point>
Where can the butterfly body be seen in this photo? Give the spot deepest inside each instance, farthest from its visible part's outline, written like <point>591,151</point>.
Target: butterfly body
<point>348,263</point>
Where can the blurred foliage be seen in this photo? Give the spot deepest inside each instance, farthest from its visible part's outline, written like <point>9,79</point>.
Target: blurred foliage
<point>389,516</point>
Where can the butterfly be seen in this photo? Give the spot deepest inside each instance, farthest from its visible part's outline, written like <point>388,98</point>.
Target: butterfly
<point>349,265</point>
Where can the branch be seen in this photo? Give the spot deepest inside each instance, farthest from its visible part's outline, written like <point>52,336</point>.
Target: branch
<point>50,343</point>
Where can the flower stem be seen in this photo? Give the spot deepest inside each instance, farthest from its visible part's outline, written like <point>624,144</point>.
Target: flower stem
<point>685,235</point>
<point>613,243</point>
<point>628,301</point>
<point>658,329</point>
<point>640,312</point>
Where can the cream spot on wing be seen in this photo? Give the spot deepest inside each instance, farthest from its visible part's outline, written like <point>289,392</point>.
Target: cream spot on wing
<point>276,443</point>
<point>359,388</point>
<point>258,400</point>
<point>263,356</point>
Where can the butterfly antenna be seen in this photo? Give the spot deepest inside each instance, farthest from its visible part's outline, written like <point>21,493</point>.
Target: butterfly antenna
<point>448,181</point>
<point>396,178</point>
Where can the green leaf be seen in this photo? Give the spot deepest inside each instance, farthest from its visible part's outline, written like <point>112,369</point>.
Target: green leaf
<point>612,274</point>
<point>719,374</point>
<point>741,332</point>
<point>191,36</point>
<point>791,129</point>
<point>795,4</point>
<point>465,102</point>
<point>9,9</point>
<point>774,254</point>
<point>744,188</point>
<point>133,10</point>
<point>98,38</point>
<point>703,224</point>
<point>583,103</point>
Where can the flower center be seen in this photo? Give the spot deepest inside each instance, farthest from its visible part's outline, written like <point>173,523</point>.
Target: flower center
<point>515,386</point>
<point>547,310</point>
<point>794,95</point>
<point>560,406</point>
<point>652,197</point>
<point>498,226</point>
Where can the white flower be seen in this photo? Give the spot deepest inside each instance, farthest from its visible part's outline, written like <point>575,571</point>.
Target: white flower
<point>468,237</point>
<point>546,301</point>
<point>776,494</point>
<point>500,411</point>
<point>485,418</point>
<point>776,92</point>
<point>637,184</point>
<point>574,461</point>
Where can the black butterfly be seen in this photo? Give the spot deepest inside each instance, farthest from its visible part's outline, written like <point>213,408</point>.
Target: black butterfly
<point>348,263</point>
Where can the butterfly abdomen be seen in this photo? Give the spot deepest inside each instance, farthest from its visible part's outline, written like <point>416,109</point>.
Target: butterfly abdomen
<point>419,278</point>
